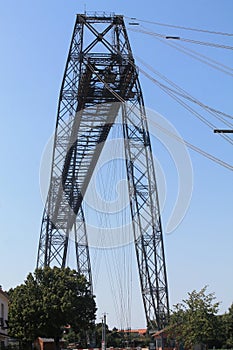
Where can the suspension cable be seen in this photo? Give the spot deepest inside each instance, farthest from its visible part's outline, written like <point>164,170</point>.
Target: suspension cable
<point>188,144</point>
<point>216,113</point>
<point>196,55</point>
<point>216,45</point>
<point>225,67</point>
<point>211,109</point>
<point>181,27</point>
<point>171,92</point>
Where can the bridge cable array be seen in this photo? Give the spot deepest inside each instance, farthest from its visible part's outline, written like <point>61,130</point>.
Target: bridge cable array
<point>119,271</point>
<point>174,91</point>
<point>121,286</point>
<point>205,43</point>
<point>180,27</point>
<point>180,92</point>
<point>218,114</point>
<point>197,56</point>
<point>188,144</point>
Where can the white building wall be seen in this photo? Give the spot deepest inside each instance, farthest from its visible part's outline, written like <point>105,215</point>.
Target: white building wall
<point>3,318</point>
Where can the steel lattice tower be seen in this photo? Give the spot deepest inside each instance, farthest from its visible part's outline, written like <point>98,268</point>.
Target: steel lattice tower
<point>101,81</point>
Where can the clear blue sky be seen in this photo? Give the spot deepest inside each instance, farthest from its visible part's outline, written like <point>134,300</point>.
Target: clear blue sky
<point>34,40</point>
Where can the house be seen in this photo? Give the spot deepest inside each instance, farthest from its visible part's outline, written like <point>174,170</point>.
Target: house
<point>136,332</point>
<point>162,341</point>
<point>46,344</point>
<point>4,300</point>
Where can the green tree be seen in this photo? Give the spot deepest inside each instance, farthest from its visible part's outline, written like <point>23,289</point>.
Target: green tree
<point>98,334</point>
<point>194,321</point>
<point>114,338</point>
<point>47,301</point>
<point>227,329</point>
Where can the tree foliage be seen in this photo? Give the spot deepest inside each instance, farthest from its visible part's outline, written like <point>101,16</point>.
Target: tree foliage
<point>121,339</point>
<point>225,338</point>
<point>47,301</point>
<point>194,321</point>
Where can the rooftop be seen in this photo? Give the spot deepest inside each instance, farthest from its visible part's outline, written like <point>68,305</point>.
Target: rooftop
<point>3,293</point>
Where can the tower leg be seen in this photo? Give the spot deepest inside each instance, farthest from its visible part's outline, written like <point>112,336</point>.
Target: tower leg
<point>145,213</point>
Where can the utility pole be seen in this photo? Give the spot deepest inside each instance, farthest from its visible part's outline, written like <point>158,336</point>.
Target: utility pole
<point>104,332</point>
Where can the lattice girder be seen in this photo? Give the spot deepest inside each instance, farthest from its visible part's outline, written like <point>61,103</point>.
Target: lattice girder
<point>101,81</point>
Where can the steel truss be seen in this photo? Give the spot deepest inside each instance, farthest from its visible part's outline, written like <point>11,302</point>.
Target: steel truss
<point>101,82</point>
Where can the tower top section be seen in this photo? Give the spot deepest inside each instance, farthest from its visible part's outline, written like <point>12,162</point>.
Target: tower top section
<point>103,17</point>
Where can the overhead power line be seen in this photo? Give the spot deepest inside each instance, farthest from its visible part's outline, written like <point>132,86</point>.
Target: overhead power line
<point>181,27</point>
